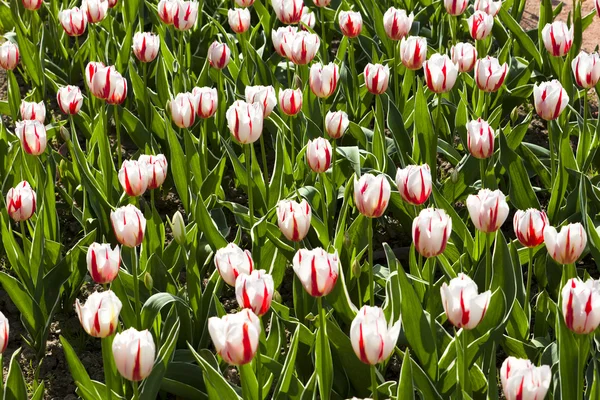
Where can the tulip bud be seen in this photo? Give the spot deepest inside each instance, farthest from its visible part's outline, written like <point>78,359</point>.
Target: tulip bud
<point>288,11</point>
<point>107,83</point>
<point>99,315</point>
<point>431,231</point>
<point>255,291</point>
<point>356,268</point>
<point>4,330</point>
<point>129,225</point>
<point>21,202</point>
<point>464,55</point>
<point>33,111</point>
<point>414,183</point>
<point>480,139</point>
<point>148,281</point>
<point>529,226</point>
<point>245,121</point>
<point>166,11</point>
<point>510,367</point>
<point>9,56</point>
<point>322,3</point>
<point>463,306</point>
<point>565,247</point>
<point>263,95</point>
<point>90,70</point>
<point>134,352</point>
<point>317,270</point>
<point>396,23</point>
<point>489,74</point>
<point>239,19</point>
<point>32,5</point>
<point>156,169</point>
<point>456,7</point>
<point>95,10</point>
<point>133,177</point>
<point>32,135</point>
<point>235,336</point>
<point>323,79</point>
<point>558,38</point>
<point>377,77</point>
<point>218,55</point>
<point>581,305</point>
<point>103,262</point>
<point>318,155</point>
<point>231,261</point>
<point>178,228</point>
<point>488,6</point>
<point>521,380</point>
<point>454,175</point>
<point>336,124</point>
<point>282,39</point>
<point>65,135</point>
<point>294,219</point>
<point>440,73</point>
<point>308,18</point>
<point>550,99</point>
<point>244,3</point>
<point>413,52</point>
<point>145,46</point>
<point>373,339</point>
<point>350,23</point>
<point>586,69</point>
<point>304,47</point>
<point>372,195</point>
<point>185,14</point>
<point>183,110</point>
<point>112,3</point>
<point>73,21</point>
<point>488,210</point>
<point>69,99</point>
<point>290,101</point>
<point>480,25</point>
<point>207,100</point>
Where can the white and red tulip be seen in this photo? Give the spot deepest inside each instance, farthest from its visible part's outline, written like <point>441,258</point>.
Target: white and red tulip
<point>304,48</point>
<point>529,226</point>
<point>282,39</point>
<point>464,307</point>
<point>112,3</point>
<point>372,338</point>
<point>288,11</point>
<point>95,10</point>
<point>235,336</point>
<point>231,261</point>
<point>322,3</point>
<point>99,316</point>
<point>32,5</point>
<point>255,291</point>
<point>263,95</point>
<point>318,154</point>
<point>133,177</point>
<point>586,69</point>
<point>480,25</point>
<point>74,21</point>
<point>550,99</point>
<point>107,83</point>
<point>183,110</point>
<point>377,77</point>
<point>489,74</point>
<point>323,79</point>
<point>166,11</point>
<point>581,305</point>
<point>244,3</point>
<point>431,231</point>
<point>480,139</point>
<point>413,52</point>
<point>245,121</point>
<point>456,7</point>
<point>9,55</point>
<point>21,202</point>
<point>558,38</point>
<point>134,352</point>
<point>146,46</point>
<point>317,270</point>
<point>488,210</point>
<point>207,101</point>
<point>440,73</point>
<point>372,195</point>
<point>103,262</point>
<point>464,55</point>
<point>294,219</point>
<point>69,99</point>
<point>185,14</point>
<point>129,225</point>
<point>397,23</point>
<point>239,19</point>
<point>4,333</point>
<point>33,111</point>
<point>336,124</point>
<point>521,380</point>
<point>308,18</point>
<point>156,169</point>
<point>414,183</point>
<point>490,7</point>
<point>566,246</point>
<point>350,23</point>
<point>218,55</point>
<point>290,101</point>
<point>32,135</point>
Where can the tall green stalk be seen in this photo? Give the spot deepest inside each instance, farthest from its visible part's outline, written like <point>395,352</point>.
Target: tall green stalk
<point>248,156</point>
<point>136,288</point>
<point>118,129</point>
<point>374,382</point>
<point>370,250</point>
<point>528,289</point>
<point>489,239</point>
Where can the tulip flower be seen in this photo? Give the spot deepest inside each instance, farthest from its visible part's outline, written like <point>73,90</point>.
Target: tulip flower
<point>235,336</point>
<point>456,7</point>
<point>323,79</point>
<point>32,5</point>
<point>21,202</point>
<point>304,47</point>
<point>372,195</point>
<point>397,23</point>
<point>156,169</point>
<point>488,210</point>
<point>239,19</point>
<point>464,307</point>
<point>413,52</point>
<point>245,121</point>
<point>294,219</point>
<point>489,74</point>
<point>166,11</point>
<point>307,18</point>
<point>440,73</point>
<point>350,23</point>
<point>318,155</point>
<point>33,111</point>
<point>32,135</point>
<point>107,83</point>
<point>480,25</point>
<point>565,247</point>
<point>112,3</point>
<point>529,226</point>
<point>99,315</point>
<point>244,3</point>
<point>9,56</point>
<point>480,139</point>
<point>550,99</point>
<point>414,183</point>
<point>558,38</point>
<point>146,46</point>
<point>263,95</point>
<point>373,339</point>
<point>490,7</point>
<point>95,10</point>
<point>597,3</point>
<point>207,101</point>
<point>290,101</point>
<point>231,261</point>
<point>69,99</point>
<point>288,11</point>
<point>581,305</point>
<point>377,77</point>
<point>90,70</point>
<point>510,367</point>
<point>218,55</point>
<point>133,177</point>
<point>317,270</point>
<point>586,69</point>
<point>129,225</point>
<point>185,14</point>
<point>431,231</point>
<point>183,110</point>
<point>134,352</point>
<point>336,124</point>
<point>282,39</point>
<point>178,228</point>
<point>103,262</point>
<point>464,55</point>
<point>4,330</point>
<point>322,3</point>
<point>73,21</point>
<point>521,380</point>
<point>255,291</point>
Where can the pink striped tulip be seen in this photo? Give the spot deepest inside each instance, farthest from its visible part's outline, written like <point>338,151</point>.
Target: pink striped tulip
<point>464,55</point>
<point>288,11</point>
<point>317,270</point>
<point>218,55</point>
<point>350,23</point>
<point>490,7</point>
<point>282,39</point>
<point>74,21</point>
<point>129,225</point>
<point>235,336</point>
<point>550,99</point>
<point>32,135</point>
<point>166,11</point>
<point>69,99</point>
<point>134,353</point>
<point>95,10</point>
<point>156,169</point>
<point>9,55</point>
<point>294,219</point>
<point>488,210</point>
<point>21,202</point>
<point>146,46</point>
<point>183,110</point>
<point>207,101</point>
<point>103,262</point>
<point>480,139</point>
<point>521,380</point>
<point>239,19</point>
<point>372,195</point>
<point>99,316</point>
<point>558,38</point>
<point>581,305</point>
<point>414,183</point>
<point>323,79</point>
<point>440,73</point>
<point>480,25</point>
<point>529,226</point>
<point>133,177</point>
<point>566,246</point>
<point>489,74</point>
<point>290,101</point>
<point>32,5</point>
<point>372,338</point>
<point>464,307</point>
<point>245,121</point>
<point>263,95</point>
<point>304,48</point>
<point>397,23</point>
<point>336,124</point>
<point>185,14</point>
<point>413,52</point>
<point>431,231</point>
<point>318,155</point>
<point>255,291</point>
<point>586,69</point>
<point>33,111</point>
<point>377,77</point>
<point>456,7</point>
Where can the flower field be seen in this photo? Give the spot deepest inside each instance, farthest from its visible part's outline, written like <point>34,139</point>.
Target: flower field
<point>299,199</point>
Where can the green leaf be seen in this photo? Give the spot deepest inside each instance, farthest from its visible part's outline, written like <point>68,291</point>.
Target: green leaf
<point>155,303</point>
<point>406,390</point>
<point>520,35</point>
<point>520,190</point>
<point>15,388</point>
<point>14,95</point>
<point>178,166</point>
<point>427,138</point>
<point>76,368</point>
<point>28,307</point>
<point>214,378</point>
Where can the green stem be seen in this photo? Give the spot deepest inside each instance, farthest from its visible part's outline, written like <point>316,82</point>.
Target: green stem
<point>333,157</point>
<point>321,14</point>
<point>324,204</point>
<point>148,111</point>
<point>180,59</point>
<point>258,373</point>
<point>432,262</point>
<point>488,260</point>
<point>353,73</point>
<point>396,73</point>
<point>248,151</point>
<point>1,373</point>
<point>581,360</point>
<point>23,236</point>
<point>263,150</point>
<point>136,288</point>
<point>118,128</point>
<point>482,169</point>
<point>293,144</point>
<point>370,250</point>
<point>322,331</point>
<point>203,148</point>
<point>552,150</point>
<point>374,382</point>
<point>78,47</point>
<point>528,290</point>
<point>289,74</point>
<point>437,112</point>
<point>136,391</point>
<point>107,351</point>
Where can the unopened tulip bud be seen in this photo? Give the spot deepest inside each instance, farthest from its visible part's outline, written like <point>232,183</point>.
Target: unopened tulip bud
<point>207,99</point>
<point>336,124</point>
<point>489,74</point>
<point>255,291</point>
<point>146,46</point>
<point>529,226</point>
<point>464,307</point>
<point>245,121</point>
<point>244,3</point>
<point>166,11</point>
<point>414,183</point>
<point>558,38</point>
<point>480,139</point>
<point>112,3</point>
<point>134,353</point>
<point>581,305</point>
<point>32,135</point>
<point>372,195</point>
<point>431,230</point>
<point>239,19</point>
<point>304,47</point>
<point>490,7</point>
<point>69,99</point>
<point>32,5</point>
<point>288,11</point>
<point>586,69</point>
<point>322,3</point>
<point>9,56</point>
<point>183,110</point>
<point>235,336</point>
<point>413,52</point>
<point>290,101</point>
<point>550,99</point>
<point>480,25</point>
<point>95,10</point>
<point>64,134</point>
<point>148,281</point>
<point>488,210</point>
<point>317,270</point>
<point>185,14</point>
<point>218,55</point>
<point>397,23</point>
<point>373,339</point>
<point>178,228</point>
<point>323,79</point>
<point>440,73</point>
<point>4,333</point>
<point>129,225</point>
<point>156,167</point>
<point>377,77</point>
<point>133,177</point>
<point>350,23</point>
<point>73,21</point>
<point>464,55</point>
<point>283,38</point>
<point>318,155</point>
<point>99,316</point>
<point>356,268</point>
<point>33,111</point>
<point>103,262</point>
<point>456,7</point>
<point>308,18</point>
<point>231,261</point>
<point>21,202</point>
<point>263,95</point>
<point>294,219</point>
<point>567,245</point>
<point>521,380</point>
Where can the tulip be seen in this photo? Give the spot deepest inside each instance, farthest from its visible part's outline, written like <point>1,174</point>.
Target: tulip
<point>178,228</point>
<point>304,47</point>
<point>336,124</point>
<point>597,2</point>
<point>183,110</point>
<point>488,6</point>
<point>288,11</point>
<point>145,46</point>
<point>586,69</point>
<point>33,111</point>
<point>521,380</point>
<point>134,352</point>
<point>323,79</point>
<point>488,210</point>
<point>90,70</point>
<point>550,99</point>
<point>235,336</point>
<point>282,39</point>
<point>397,23</point>
<point>9,56</point>
<point>440,73</point>
<point>581,305</point>
<point>431,230</point>
<point>565,247</point>
<point>21,202</point>
<point>308,18</point>
<point>207,101</point>
<point>218,55</point>
<point>185,14</point>
<point>290,101</point>
<point>95,10</point>
<point>414,183</point>
<point>480,139</point>
<point>558,38</point>
<point>317,270</point>
<point>255,291</point>
<point>322,3</point>
<point>377,77</point>
<point>529,226</point>
<point>244,3</point>
<point>318,154</point>
<point>99,315</point>
<point>103,262</point>
<point>373,339</point>
<point>73,21</point>
<point>32,5</point>
<point>245,121</point>
<point>489,74</point>
<point>263,95</point>
<point>294,219</point>
<point>69,99</point>
<point>129,225</point>
<point>112,3</point>
<point>456,7</point>
<point>4,330</point>
<point>464,55</point>
<point>239,19</point>
<point>166,11</point>
<point>413,52</point>
<point>107,83</point>
<point>350,23</point>
<point>463,306</point>
<point>372,195</point>
<point>231,261</point>
<point>480,25</point>
<point>32,135</point>
<point>133,177</point>
<point>156,167</point>
<point>510,367</point>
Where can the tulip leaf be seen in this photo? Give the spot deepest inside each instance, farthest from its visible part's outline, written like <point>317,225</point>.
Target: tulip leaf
<point>76,368</point>
<point>406,389</point>
<point>520,35</point>
<point>425,137</point>
<point>155,304</point>
<point>15,388</point>
<point>324,362</point>
<point>215,382</point>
